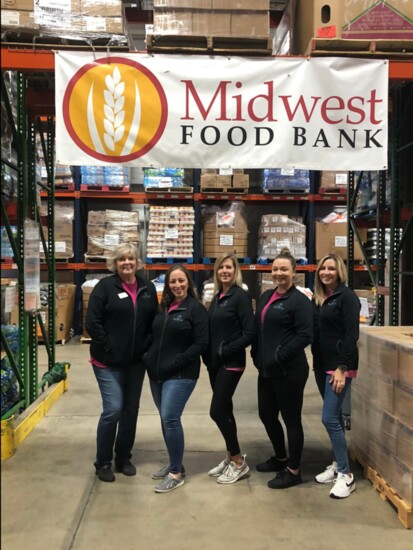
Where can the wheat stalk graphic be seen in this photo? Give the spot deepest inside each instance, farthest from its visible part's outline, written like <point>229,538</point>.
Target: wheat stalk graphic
<point>113,108</point>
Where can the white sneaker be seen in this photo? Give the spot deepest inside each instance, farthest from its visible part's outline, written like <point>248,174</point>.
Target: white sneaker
<point>329,474</point>
<point>344,485</point>
<point>220,469</point>
<point>233,473</point>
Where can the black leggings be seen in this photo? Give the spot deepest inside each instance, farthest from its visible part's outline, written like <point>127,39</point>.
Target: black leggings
<point>223,384</point>
<point>285,395</point>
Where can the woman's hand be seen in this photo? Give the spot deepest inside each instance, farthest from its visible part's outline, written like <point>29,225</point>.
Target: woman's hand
<point>338,380</point>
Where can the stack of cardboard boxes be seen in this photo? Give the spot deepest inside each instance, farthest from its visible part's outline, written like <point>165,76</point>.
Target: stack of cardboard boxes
<point>278,231</point>
<point>63,230</point>
<point>382,411</point>
<point>108,228</point>
<point>225,232</point>
<point>333,181</point>
<point>71,16</point>
<point>217,179</point>
<point>171,231</point>
<point>230,18</point>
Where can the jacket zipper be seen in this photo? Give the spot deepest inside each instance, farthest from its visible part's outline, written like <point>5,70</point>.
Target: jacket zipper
<point>134,320</point>
<point>160,345</point>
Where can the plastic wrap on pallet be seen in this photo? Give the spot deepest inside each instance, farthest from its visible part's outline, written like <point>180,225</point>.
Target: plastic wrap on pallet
<point>9,388</point>
<point>111,176</point>
<point>6,249</point>
<point>279,178</point>
<point>277,232</point>
<point>163,177</point>
<point>368,188</point>
<point>81,20</point>
<point>170,233</point>
<point>62,210</point>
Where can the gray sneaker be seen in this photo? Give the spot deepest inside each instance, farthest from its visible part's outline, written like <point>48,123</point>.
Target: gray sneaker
<point>220,469</point>
<point>163,472</point>
<point>169,483</point>
<point>232,473</point>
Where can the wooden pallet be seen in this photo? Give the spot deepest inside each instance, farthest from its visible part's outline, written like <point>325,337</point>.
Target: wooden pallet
<point>95,259</point>
<point>211,261</point>
<point>285,191</point>
<point>224,190</point>
<point>169,189</point>
<point>386,492</point>
<point>170,43</point>
<point>35,39</point>
<point>105,188</point>
<point>361,48</point>
<point>333,190</point>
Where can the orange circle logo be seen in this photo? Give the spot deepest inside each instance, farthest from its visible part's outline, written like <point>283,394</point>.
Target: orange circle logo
<point>115,109</point>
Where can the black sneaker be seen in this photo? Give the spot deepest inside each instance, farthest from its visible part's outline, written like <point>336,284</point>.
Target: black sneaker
<point>271,465</point>
<point>105,473</point>
<point>285,479</point>
<point>126,468</point>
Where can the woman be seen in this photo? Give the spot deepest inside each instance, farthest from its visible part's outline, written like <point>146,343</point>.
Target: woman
<point>119,319</point>
<point>284,328</point>
<point>231,330</point>
<point>180,336</point>
<point>335,359</point>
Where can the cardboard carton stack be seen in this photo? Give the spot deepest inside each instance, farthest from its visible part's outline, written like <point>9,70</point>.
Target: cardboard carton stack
<point>358,19</point>
<point>65,302</point>
<point>108,228</point>
<point>84,17</point>
<point>333,181</point>
<point>381,402</point>
<point>224,179</point>
<point>331,237</point>
<point>63,230</point>
<point>225,232</point>
<point>171,231</point>
<point>278,231</point>
<point>230,18</point>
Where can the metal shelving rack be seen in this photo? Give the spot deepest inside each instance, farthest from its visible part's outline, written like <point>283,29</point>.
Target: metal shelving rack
<point>24,131</point>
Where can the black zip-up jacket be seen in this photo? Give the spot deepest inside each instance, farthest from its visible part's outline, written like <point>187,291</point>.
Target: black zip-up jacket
<point>231,329</point>
<point>286,331</point>
<point>336,331</point>
<point>120,332</point>
<point>179,339</point>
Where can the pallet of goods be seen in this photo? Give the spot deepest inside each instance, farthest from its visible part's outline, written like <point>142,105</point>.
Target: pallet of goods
<point>285,181</point>
<point>210,26</point>
<point>225,232</point>
<point>382,414</point>
<point>277,232</point>
<point>170,234</point>
<point>378,27</point>
<point>74,22</point>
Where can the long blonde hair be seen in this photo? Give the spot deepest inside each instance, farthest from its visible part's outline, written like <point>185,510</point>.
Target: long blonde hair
<point>319,287</point>
<point>237,274</point>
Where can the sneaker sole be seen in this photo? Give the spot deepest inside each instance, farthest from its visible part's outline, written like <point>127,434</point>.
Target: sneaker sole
<point>236,479</point>
<point>336,497</point>
<point>160,478</point>
<point>324,482</point>
<point>171,489</point>
<point>216,475</point>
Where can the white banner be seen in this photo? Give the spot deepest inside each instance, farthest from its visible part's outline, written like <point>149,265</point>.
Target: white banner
<point>221,112</point>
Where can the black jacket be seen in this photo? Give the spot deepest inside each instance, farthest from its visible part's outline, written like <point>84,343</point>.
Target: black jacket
<point>179,339</point>
<point>281,339</point>
<point>231,329</point>
<point>120,332</point>
<point>336,331</point>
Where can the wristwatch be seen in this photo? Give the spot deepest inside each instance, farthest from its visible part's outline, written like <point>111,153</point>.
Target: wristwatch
<point>343,368</point>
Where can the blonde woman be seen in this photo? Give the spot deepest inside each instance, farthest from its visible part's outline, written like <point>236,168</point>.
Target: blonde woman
<point>119,320</point>
<point>231,330</point>
<point>335,360</point>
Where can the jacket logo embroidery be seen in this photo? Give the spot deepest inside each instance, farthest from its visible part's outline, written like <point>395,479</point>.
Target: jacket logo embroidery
<point>224,303</point>
<point>279,306</point>
<point>332,303</point>
<point>178,318</point>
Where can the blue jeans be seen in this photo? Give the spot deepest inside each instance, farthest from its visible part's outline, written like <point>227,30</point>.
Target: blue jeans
<point>170,399</point>
<point>332,418</point>
<point>121,392</point>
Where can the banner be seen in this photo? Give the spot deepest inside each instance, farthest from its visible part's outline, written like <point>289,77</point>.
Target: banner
<point>221,112</point>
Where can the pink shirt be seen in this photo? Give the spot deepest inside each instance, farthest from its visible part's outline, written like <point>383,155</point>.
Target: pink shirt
<point>275,296</point>
<point>174,306</point>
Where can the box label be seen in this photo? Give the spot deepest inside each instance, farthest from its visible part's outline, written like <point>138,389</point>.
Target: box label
<point>111,240</point>
<point>340,241</point>
<point>226,240</point>
<point>171,234</point>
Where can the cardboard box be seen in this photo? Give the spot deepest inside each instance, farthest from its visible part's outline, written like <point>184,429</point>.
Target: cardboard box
<point>241,180</point>
<point>251,23</point>
<point>191,4</point>
<point>332,238</point>
<point>358,19</point>
<point>225,222</point>
<point>19,5</point>
<point>209,181</point>
<point>102,24</point>
<point>330,179</point>
<point>223,181</point>
<point>101,8</point>
<point>18,19</point>
<point>405,443</point>
<point>243,5</point>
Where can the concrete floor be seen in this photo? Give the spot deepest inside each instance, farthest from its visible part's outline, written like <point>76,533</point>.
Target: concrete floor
<point>51,498</point>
